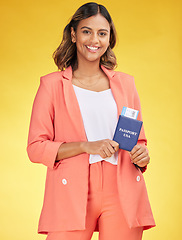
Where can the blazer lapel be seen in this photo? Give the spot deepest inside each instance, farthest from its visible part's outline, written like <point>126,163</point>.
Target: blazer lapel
<point>120,99</point>
<point>72,105</point>
<point>116,88</point>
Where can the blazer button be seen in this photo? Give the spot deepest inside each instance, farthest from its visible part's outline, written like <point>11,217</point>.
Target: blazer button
<point>64,181</point>
<point>138,178</point>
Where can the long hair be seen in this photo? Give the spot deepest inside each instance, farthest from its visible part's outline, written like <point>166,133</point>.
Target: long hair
<point>66,54</point>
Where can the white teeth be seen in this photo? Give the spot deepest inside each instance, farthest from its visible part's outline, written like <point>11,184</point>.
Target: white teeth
<point>92,48</point>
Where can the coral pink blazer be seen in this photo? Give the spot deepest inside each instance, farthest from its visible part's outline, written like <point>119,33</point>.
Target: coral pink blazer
<point>55,119</point>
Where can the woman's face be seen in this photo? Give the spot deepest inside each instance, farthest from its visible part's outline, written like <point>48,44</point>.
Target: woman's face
<point>92,38</point>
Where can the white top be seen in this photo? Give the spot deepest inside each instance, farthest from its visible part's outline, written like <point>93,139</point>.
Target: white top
<point>99,114</point>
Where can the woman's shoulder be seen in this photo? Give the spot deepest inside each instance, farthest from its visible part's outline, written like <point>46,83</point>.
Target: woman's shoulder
<point>124,79</point>
<point>118,75</point>
<point>55,77</point>
<point>123,75</point>
<point>52,77</point>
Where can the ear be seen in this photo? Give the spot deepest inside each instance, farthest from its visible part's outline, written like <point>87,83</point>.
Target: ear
<point>73,35</point>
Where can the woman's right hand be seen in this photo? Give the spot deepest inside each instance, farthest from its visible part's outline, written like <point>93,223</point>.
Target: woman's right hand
<point>105,148</point>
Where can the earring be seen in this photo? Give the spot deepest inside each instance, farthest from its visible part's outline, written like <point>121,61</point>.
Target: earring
<point>73,40</point>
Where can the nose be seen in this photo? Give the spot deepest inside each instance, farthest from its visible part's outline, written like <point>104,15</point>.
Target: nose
<point>94,38</point>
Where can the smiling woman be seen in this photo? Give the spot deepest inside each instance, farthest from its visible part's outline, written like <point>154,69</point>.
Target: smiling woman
<point>91,184</point>
<point>91,37</point>
<point>86,21</point>
<point>92,41</point>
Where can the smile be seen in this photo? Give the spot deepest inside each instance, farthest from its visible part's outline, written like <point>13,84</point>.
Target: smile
<point>92,48</point>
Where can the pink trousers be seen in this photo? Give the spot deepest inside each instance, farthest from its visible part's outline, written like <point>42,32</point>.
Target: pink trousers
<point>103,207</point>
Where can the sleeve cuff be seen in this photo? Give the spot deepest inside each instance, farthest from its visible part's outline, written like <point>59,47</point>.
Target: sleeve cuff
<point>50,154</point>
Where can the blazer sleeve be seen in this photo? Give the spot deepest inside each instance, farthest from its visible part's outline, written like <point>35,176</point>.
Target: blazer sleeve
<point>142,138</point>
<point>41,146</point>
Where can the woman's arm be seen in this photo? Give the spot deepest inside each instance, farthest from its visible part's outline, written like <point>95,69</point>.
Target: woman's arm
<point>105,148</point>
<point>139,154</point>
<point>41,147</point>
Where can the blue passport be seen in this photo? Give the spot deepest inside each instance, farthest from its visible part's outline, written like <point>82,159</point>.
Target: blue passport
<point>127,132</point>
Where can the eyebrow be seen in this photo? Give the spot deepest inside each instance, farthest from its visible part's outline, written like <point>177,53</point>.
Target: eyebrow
<point>91,29</point>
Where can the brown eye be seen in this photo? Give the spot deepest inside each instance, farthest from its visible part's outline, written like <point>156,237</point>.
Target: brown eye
<point>86,32</point>
<point>102,34</point>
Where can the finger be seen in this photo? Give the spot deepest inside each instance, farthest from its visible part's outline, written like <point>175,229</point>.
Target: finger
<point>136,154</point>
<point>109,150</point>
<point>143,162</point>
<point>107,144</point>
<point>138,158</point>
<point>139,150</point>
<point>135,149</point>
<point>103,154</point>
<point>116,148</point>
<point>115,145</point>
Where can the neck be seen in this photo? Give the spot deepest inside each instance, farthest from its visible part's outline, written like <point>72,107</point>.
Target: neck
<point>88,69</point>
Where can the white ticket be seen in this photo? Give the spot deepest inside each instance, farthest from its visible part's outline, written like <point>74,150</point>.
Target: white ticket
<point>129,112</point>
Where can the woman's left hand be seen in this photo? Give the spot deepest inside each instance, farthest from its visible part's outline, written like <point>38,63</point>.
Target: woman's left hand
<point>139,155</point>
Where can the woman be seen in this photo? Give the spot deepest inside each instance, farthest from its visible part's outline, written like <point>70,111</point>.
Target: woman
<point>91,184</point>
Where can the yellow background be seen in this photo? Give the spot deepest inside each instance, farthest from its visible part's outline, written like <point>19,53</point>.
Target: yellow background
<point>149,48</point>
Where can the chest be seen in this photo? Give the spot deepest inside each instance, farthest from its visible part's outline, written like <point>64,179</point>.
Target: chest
<point>68,122</point>
<point>95,84</point>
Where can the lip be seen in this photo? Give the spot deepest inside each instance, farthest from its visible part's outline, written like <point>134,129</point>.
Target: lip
<point>92,48</point>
